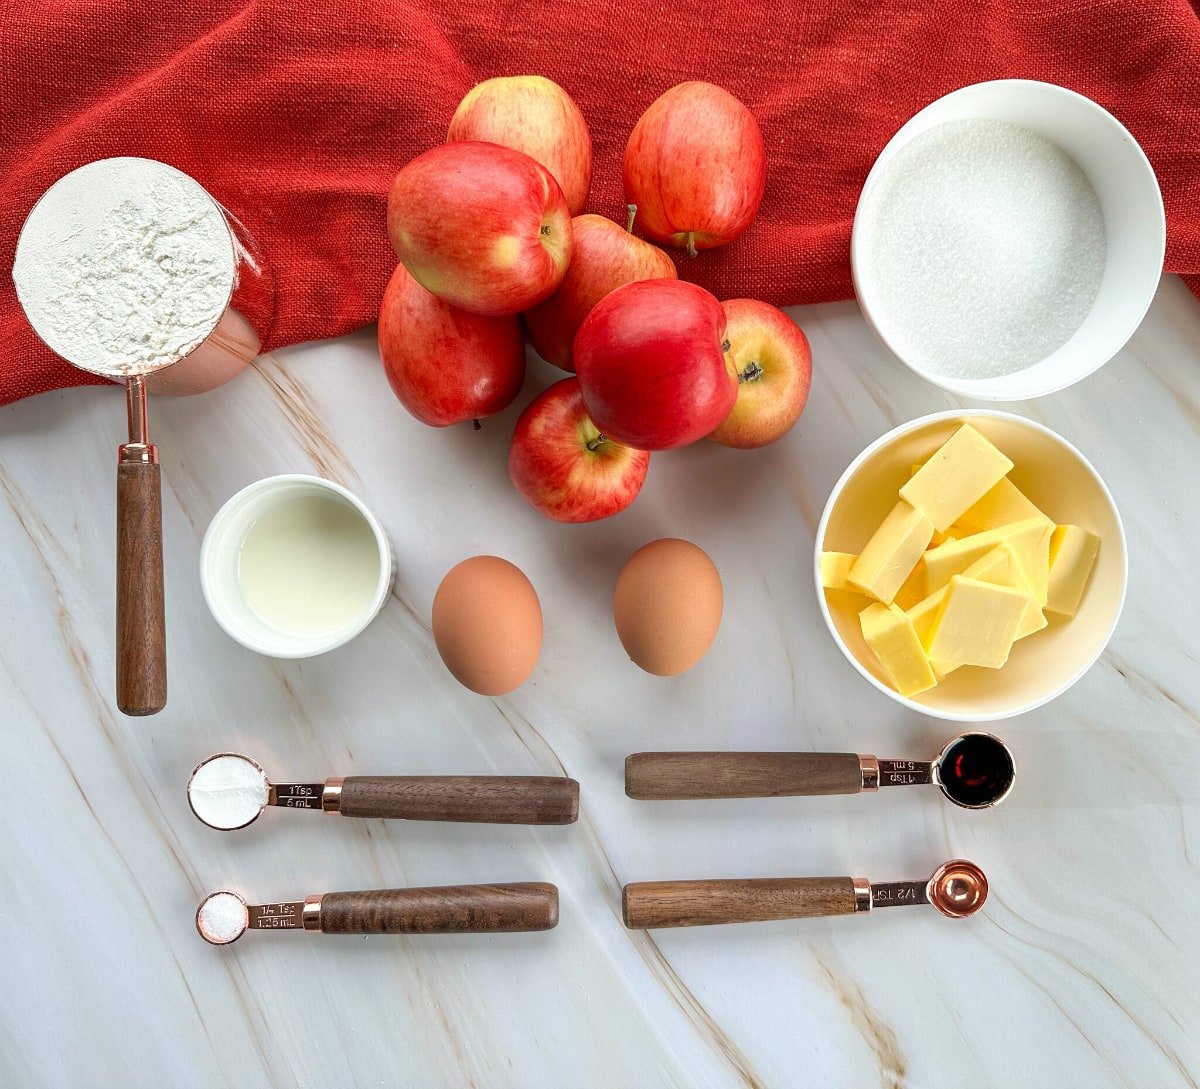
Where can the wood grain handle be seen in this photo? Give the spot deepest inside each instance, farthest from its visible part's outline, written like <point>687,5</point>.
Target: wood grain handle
<point>451,909</point>
<point>650,904</point>
<point>481,799</point>
<point>141,628</point>
<point>662,776</point>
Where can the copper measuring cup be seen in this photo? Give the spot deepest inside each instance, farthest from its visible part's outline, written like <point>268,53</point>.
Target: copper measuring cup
<point>957,888</point>
<point>223,917</point>
<point>64,212</point>
<point>974,770</point>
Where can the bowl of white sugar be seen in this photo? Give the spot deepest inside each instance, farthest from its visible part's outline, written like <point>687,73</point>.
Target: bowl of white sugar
<point>1008,240</point>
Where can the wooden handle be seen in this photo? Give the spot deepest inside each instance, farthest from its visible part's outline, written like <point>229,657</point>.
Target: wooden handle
<point>649,904</point>
<point>141,629</point>
<point>481,799</point>
<point>452,909</point>
<point>662,776</point>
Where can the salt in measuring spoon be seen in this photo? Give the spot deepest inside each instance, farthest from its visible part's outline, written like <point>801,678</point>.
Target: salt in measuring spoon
<point>974,770</point>
<point>223,917</point>
<point>228,791</point>
<point>957,888</point>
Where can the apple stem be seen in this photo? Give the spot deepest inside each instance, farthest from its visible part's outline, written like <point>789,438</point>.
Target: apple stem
<point>632,216</point>
<point>752,373</point>
<point>691,243</point>
<point>594,444</point>
<point>476,425</point>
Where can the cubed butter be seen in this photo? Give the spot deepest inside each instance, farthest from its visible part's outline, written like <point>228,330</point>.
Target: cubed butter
<point>1029,540</point>
<point>1002,505</point>
<point>924,613</point>
<point>835,566</point>
<point>890,635</point>
<point>1073,553</point>
<point>959,474</point>
<point>976,624</point>
<point>891,553</point>
<point>913,589</point>
<point>1002,567</point>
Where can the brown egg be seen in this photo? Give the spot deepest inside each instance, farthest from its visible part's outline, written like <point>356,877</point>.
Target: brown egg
<point>667,606</point>
<point>487,623</point>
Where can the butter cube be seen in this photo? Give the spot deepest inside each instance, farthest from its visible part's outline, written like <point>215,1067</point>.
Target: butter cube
<point>891,553</point>
<point>835,566</point>
<point>958,475</point>
<point>1002,567</point>
<point>1073,553</point>
<point>1029,540</point>
<point>1002,505</point>
<point>976,624</point>
<point>913,589</point>
<point>924,613</point>
<point>890,635</point>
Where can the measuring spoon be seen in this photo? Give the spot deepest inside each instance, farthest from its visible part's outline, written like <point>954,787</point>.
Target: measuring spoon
<point>974,770</point>
<point>228,791</point>
<point>957,888</point>
<point>223,917</point>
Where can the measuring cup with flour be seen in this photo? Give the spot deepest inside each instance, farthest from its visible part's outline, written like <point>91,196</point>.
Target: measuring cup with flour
<point>124,267</point>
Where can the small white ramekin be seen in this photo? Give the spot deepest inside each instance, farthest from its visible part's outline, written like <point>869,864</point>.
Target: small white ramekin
<point>221,549</point>
<point>1130,201</point>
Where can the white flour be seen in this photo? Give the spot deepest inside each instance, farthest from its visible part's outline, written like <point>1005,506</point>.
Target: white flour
<point>124,266</point>
<point>987,248</point>
<point>222,918</point>
<point>227,792</point>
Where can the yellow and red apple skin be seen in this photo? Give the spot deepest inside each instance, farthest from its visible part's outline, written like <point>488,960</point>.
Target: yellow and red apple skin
<point>773,362</point>
<point>696,167</point>
<point>604,257</point>
<point>483,227</point>
<point>535,115</point>
<point>564,467</point>
<point>447,365</point>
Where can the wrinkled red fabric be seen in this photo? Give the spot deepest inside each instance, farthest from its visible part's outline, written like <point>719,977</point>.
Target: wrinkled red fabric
<point>296,114</point>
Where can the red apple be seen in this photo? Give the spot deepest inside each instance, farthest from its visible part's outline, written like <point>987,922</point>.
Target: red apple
<point>482,226</point>
<point>535,115</point>
<point>695,167</point>
<point>562,465</point>
<point>447,365</point>
<point>603,258</point>
<point>773,363</point>
<point>651,364</point>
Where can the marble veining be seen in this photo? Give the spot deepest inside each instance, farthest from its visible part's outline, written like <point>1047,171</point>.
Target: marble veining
<point>1081,970</point>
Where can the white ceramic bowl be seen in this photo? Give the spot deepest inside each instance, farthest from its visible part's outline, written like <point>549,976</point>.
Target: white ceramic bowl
<point>1063,484</point>
<point>1129,199</point>
<point>220,555</point>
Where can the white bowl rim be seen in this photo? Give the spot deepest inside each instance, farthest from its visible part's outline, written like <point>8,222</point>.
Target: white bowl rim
<point>965,387</point>
<point>337,638</point>
<point>964,414</point>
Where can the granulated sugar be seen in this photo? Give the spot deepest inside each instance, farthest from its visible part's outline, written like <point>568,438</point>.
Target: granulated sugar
<point>222,918</point>
<point>228,791</point>
<point>986,248</point>
<point>124,266</point>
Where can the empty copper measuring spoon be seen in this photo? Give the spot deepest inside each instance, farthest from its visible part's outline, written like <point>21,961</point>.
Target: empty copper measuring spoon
<point>974,770</point>
<point>957,888</point>
<point>223,917</point>
<point>228,791</point>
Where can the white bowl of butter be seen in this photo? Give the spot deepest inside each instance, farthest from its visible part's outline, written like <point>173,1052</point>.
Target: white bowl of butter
<point>961,559</point>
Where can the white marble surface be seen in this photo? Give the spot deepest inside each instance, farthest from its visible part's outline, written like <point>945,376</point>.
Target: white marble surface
<point>1081,971</point>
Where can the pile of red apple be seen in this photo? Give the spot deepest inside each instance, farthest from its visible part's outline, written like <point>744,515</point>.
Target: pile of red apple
<point>483,229</point>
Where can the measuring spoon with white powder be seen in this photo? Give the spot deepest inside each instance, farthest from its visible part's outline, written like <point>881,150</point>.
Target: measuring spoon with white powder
<point>223,917</point>
<point>228,791</point>
<point>123,267</point>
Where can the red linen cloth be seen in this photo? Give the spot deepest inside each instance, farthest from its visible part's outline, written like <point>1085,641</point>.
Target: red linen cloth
<point>296,114</point>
